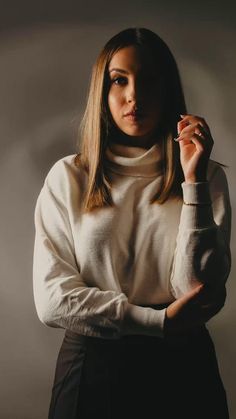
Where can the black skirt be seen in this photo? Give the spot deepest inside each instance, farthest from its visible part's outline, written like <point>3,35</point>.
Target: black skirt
<point>138,377</point>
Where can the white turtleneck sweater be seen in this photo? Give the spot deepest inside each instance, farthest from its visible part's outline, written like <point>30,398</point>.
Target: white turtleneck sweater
<point>99,273</point>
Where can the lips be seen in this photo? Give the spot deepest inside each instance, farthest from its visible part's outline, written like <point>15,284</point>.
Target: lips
<point>134,116</point>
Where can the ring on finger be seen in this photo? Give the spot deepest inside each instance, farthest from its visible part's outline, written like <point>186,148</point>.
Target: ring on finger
<point>202,132</point>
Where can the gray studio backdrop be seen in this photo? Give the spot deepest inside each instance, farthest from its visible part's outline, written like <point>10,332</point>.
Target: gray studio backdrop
<point>46,55</point>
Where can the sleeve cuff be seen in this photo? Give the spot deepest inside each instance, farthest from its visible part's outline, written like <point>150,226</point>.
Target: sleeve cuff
<point>196,193</point>
<point>196,216</point>
<point>143,321</point>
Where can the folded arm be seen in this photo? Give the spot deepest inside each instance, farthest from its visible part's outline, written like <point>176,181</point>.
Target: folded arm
<point>62,298</point>
<point>202,253</point>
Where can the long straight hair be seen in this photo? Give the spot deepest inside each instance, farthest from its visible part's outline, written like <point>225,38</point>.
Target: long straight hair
<point>97,127</point>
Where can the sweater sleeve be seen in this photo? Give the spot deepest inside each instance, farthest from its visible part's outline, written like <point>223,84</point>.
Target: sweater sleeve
<point>62,298</point>
<point>202,251</point>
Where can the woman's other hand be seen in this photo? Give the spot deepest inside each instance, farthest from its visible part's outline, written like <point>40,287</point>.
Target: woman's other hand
<point>193,310</point>
<point>195,143</point>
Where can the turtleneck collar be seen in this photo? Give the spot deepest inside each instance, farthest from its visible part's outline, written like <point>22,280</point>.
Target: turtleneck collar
<point>131,161</point>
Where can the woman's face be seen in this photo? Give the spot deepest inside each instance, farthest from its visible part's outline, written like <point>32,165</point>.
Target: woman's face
<point>134,85</point>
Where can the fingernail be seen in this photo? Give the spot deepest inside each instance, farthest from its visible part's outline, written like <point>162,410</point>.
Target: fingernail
<point>182,116</point>
<point>177,137</point>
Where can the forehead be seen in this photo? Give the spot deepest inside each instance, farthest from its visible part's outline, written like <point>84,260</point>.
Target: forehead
<point>133,59</point>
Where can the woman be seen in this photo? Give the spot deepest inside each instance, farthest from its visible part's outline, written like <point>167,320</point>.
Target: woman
<point>132,249</point>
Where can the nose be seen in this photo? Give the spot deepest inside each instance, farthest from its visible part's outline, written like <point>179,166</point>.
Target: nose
<point>134,92</point>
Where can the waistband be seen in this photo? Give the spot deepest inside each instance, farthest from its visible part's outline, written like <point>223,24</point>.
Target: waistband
<point>189,337</point>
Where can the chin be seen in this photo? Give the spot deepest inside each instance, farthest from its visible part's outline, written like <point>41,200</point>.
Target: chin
<point>136,133</point>
<point>134,130</point>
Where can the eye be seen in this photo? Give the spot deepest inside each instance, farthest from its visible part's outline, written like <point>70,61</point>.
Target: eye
<point>118,80</point>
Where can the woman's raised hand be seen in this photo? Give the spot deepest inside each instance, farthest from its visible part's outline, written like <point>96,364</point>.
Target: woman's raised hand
<point>195,143</point>
<point>193,310</point>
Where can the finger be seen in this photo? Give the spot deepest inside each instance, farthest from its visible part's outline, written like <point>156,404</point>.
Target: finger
<point>190,129</point>
<point>204,130</point>
<point>181,125</point>
<point>202,145</point>
<point>205,135</point>
<point>194,138</point>
<point>191,295</point>
<point>193,129</point>
<point>191,119</point>
<point>199,127</point>
<point>187,116</point>
<point>188,133</point>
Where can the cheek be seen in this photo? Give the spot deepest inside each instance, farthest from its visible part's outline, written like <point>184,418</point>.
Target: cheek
<point>114,101</point>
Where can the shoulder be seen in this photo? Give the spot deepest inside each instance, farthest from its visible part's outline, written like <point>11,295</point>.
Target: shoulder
<point>64,165</point>
<point>65,176</point>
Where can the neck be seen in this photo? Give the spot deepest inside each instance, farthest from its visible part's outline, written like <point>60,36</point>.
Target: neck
<point>134,161</point>
<point>142,142</point>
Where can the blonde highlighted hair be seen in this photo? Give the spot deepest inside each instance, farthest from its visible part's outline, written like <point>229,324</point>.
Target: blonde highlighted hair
<point>97,127</point>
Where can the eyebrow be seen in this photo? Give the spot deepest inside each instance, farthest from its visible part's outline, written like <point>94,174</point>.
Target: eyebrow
<point>119,70</point>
